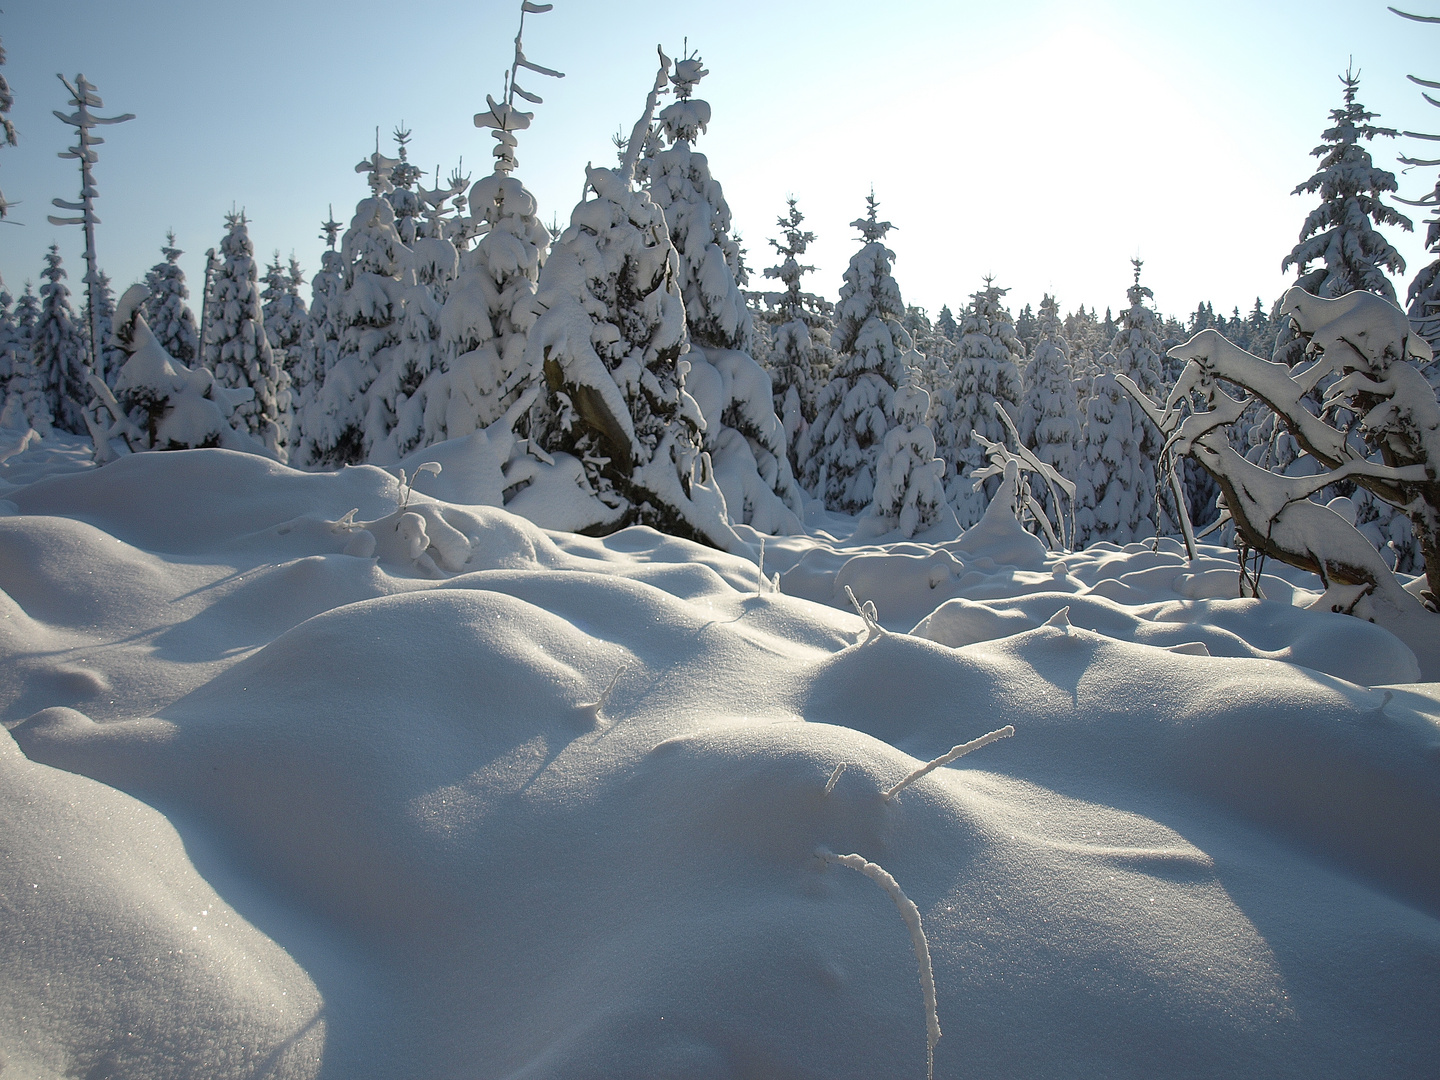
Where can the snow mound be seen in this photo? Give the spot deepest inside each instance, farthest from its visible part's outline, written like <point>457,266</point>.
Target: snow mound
<point>558,806</point>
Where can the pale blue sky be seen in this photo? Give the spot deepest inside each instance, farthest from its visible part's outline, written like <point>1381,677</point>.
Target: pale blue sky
<point>1043,142</point>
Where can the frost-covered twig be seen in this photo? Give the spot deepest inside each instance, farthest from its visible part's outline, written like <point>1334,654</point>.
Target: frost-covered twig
<point>834,777</point>
<point>954,753</point>
<point>911,914</point>
<point>868,612</point>
<point>407,485</point>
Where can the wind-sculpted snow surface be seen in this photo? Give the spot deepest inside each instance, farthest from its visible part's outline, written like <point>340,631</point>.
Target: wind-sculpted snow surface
<point>550,806</point>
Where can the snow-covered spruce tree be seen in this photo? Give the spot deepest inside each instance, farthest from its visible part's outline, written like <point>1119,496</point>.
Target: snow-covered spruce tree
<point>799,322</point>
<point>320,341</point>
<point>285,315</point>
<point>1027,329</point>
<point>160,403</point>
<point>236,347</point>
<point>743,432</point>
<point>83,98</point>
<point>679,181</point>
<point>57,350</point>
<point>24,402</point>
<point>1137,350</point>
<point>945,324</point>
<point>985,372</point>
<point>1338,235</point>
<point>397,393</point>
<point>491,306</point>
<point>14,350</point>
<point>909,478</point>
<point>1050,414</point>
<point>166,312</point>
<point>1115,485</point>
<point>7,127</point>
<point>342,424</point>
<point>485,292</point>
<point>102,323</point>
<point>872,358</point>
<point>608,348</point>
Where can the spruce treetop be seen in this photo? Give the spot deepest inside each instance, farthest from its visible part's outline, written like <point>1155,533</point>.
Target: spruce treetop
<point>330,229</point>
<point>1338,233</point>
<point>502,117</point>
<point>872,229</point>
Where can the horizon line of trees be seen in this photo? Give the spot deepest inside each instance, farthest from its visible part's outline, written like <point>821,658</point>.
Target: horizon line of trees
<point>628,354</point>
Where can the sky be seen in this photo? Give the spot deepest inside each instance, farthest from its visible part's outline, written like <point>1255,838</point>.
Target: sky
<point>1044,143</point>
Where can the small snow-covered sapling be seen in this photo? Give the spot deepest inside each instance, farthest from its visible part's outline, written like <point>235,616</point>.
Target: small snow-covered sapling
<point>954,753</point>
<point>911,915</point>
<point>834,777</point>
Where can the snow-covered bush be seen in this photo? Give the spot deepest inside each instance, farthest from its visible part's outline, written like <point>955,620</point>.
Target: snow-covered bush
<point>161,404</point>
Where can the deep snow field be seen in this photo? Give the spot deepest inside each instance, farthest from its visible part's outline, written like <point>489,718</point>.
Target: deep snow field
<point>481,800</point>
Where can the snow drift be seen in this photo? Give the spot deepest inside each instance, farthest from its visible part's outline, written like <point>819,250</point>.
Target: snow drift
<point>552,806</point>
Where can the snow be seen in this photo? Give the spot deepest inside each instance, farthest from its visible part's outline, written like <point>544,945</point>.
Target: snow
<point>557,806</point>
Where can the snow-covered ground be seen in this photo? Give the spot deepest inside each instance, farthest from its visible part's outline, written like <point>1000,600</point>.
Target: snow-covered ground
<point>481,800</point>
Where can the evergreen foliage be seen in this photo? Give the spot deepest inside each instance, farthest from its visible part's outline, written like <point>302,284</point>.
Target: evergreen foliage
<point>909,478</point>
<point>1050,414</point>
<point>986,373</point>
<point>872,358</point>
<point>236,346</point>
<point>284,313</point>
<point>57,349</point>
<point>608,347</point>
<point>679,181</point>
<point>1338,235</point>
<point>7,126</point>
<point>799,323</point>
<point>1114,498</point>
<point>166,312</point>
<point>343,425</point>
<point>320,341</point>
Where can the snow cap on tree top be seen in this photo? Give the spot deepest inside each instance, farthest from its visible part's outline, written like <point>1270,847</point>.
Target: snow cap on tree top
<point>871,229</point>
<point>688,117</point>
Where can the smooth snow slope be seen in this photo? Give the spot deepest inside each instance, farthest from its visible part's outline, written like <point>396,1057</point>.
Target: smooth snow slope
<point>431,844</point>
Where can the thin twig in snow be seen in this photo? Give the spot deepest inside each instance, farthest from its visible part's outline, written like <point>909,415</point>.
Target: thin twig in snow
<point>911,914</point>
<point>955,752</point>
